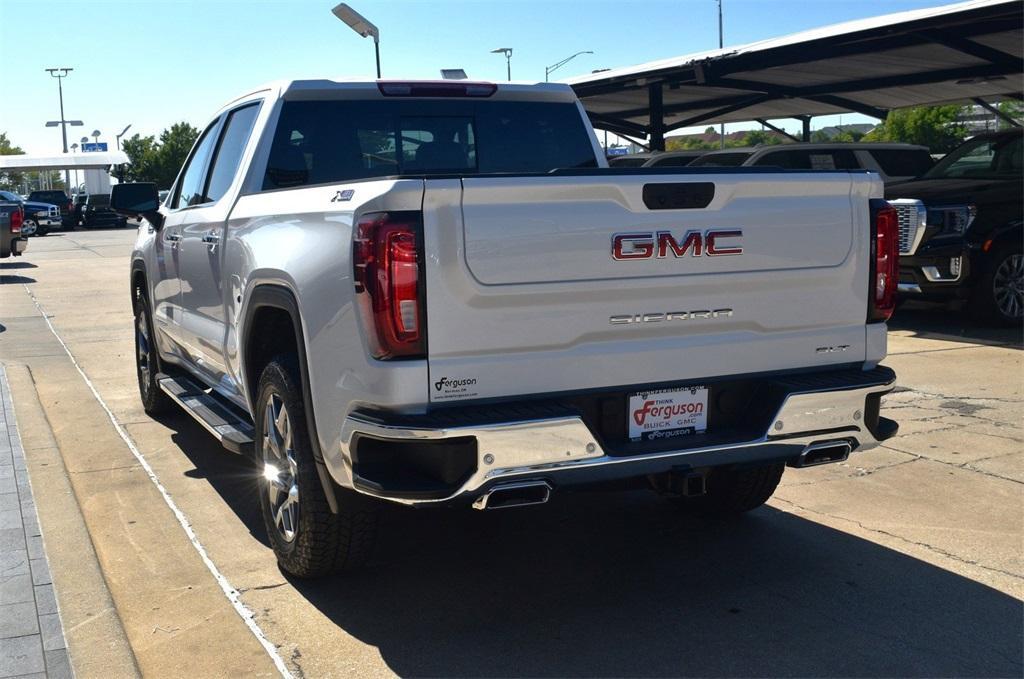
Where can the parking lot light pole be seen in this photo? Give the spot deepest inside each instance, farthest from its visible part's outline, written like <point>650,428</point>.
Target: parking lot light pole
<point>360,25</point>
<point>507,51</point>
<point>548,70</point>
<point>117,140</point>
<point>60,74</point>
<point>721,43</point>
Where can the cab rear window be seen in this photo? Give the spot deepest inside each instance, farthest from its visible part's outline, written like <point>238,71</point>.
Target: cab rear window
<point>319,142</point>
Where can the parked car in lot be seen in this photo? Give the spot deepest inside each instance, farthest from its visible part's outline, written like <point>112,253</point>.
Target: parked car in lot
<point>894,162</point>
<point>961,228</point>
<point>58,198</point>
<point>12,242</point>
<point>434,294</point>
<point>40,218</point>
<point>96,212</point>
<point>656,159</point>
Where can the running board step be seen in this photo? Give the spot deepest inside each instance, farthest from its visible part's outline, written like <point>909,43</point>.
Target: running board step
<point>210,410</point>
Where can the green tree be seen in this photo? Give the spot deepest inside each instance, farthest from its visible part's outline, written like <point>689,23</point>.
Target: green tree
<point>1014,109</point>
<point>153,160</point>
<point>937,127</point>
<point>175,143</point>
<point>755,137</point>
<point>9,180</point>
<point>142,157</point>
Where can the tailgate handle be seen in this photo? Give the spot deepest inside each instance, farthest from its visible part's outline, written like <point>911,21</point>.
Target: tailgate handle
<point>681,196</point>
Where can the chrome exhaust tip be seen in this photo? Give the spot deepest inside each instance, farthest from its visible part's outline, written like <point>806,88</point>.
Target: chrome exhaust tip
<point>518,494</point>
<point>825,452</point>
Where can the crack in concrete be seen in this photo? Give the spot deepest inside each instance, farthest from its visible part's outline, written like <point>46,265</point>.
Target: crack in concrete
<point>925,545</point>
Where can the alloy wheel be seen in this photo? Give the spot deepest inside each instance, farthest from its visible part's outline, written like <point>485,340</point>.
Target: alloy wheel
<point>280,470</point>
<point>1008,286</point>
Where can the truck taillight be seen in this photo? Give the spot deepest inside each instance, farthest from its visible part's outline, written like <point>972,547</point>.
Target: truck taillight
<point>885,252</point>
<point>387,261</point>
<point>17,218</point>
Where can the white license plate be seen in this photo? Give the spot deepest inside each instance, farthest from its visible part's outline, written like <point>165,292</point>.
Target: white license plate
<point>668,413</point>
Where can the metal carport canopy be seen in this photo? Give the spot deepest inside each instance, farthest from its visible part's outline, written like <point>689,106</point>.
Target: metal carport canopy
<point>955,53</point>
<point>99,160</point>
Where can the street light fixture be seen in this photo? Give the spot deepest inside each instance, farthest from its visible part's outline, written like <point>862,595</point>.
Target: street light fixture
<point>117,138</point>
<point>507,51</point>
<point>60,74</point>
<point>96,136</point>
<point>360,25</point>
<point>548,70</point>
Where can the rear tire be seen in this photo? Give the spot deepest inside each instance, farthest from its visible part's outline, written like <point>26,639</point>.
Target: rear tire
<point>147,364</point>
<point>308,539</point>
<point>731,492</point>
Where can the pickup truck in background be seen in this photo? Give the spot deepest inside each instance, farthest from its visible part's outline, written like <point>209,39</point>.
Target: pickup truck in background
<point>12,216</point>
<point>961,229</point>
<point>436,293</point>
<point>60,199</point>
<point>40,218</point>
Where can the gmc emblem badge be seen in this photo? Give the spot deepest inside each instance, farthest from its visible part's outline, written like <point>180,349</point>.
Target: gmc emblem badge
<point>662,244</point>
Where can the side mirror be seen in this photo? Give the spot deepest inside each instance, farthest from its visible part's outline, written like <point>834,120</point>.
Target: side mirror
<point>132,200</point>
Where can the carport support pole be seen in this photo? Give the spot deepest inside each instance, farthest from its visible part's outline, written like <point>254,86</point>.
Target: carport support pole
<point>654,98</point>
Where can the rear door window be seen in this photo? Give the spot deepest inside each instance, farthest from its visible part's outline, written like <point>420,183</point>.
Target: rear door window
<point>319,142</point>
<point>902,162</point>
<point>810,159</point>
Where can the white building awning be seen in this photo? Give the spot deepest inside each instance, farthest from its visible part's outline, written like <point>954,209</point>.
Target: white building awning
<point>64,161</point>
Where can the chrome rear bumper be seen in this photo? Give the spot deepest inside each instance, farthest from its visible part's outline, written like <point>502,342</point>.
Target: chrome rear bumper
<point>563,450</point>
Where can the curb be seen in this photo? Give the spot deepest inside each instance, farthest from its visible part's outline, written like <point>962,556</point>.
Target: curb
<point>96,639</point>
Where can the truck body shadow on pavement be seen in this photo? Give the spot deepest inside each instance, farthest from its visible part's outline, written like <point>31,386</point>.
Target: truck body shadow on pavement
<point>904,561</point>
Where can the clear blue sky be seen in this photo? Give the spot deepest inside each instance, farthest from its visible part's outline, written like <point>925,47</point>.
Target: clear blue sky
<point>155,63</point>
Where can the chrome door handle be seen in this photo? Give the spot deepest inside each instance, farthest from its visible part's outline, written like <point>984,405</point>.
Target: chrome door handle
<point>211,238</point>
<point>172,237</point>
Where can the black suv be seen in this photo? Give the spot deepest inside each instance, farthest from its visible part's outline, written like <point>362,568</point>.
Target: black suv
<point>96,212</point>
<point>961,228</point>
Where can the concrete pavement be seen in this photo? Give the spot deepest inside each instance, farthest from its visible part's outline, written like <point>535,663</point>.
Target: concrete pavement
<point>904,561</point>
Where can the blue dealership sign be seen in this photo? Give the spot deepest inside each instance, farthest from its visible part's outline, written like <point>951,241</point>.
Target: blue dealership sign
<point>94,146</point>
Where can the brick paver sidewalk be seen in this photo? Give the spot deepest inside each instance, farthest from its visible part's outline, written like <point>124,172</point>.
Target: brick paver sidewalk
<point>31,637</point>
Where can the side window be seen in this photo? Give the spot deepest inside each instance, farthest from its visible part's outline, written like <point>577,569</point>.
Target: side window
<point>823,159</point>
<point>229,153</point>
<point>194,177</point>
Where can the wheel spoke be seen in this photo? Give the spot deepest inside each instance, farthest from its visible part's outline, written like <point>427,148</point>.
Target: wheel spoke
<point>280,467</point>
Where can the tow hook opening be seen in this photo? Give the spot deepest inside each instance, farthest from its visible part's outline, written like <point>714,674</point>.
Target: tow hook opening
<point>514,495</point>
<point>825,452</point>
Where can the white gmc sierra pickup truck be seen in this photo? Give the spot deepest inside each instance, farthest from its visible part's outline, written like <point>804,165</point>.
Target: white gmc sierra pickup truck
<point>437,293</point>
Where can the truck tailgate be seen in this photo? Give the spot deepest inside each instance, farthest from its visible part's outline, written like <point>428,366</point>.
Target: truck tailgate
<point>525,296</point>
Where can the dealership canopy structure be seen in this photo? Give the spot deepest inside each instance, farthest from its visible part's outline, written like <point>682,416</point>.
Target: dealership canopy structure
<point>101,160</point>
<point>967,52</point>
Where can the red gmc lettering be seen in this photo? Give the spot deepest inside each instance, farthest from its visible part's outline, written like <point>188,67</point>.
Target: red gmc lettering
<point>641,245</point>
<point>692,239</point>
<point>713,248</point>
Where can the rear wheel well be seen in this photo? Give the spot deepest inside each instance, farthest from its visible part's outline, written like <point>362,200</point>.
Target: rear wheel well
<point>271,332</point>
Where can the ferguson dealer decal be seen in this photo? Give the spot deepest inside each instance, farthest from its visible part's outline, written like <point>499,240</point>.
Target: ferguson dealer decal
<point>450,388</point>
<point>668,413</point>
